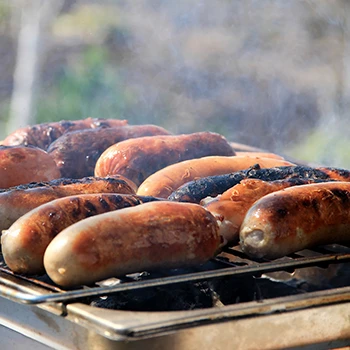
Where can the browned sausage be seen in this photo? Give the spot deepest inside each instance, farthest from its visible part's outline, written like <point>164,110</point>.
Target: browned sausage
<point>76,152</point>
<point>42,135</point>
<point>17,201</point>
<point>25,242</point>
<point>259,154</point>
<point>156,235</point>
<point>296,218</point>
<point>19,165</point>
<point>167,180</point>
<point>138,158</point>
<point>231,207</point>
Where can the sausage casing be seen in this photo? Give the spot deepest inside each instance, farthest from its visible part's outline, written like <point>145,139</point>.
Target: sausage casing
<point>296,218</point>
<point>25,242</point>
<point>76,152</point>
<point>17,201</point>
<point>138,158</point>
<point>42,135</point>
<point>165,181</point>
<point>156,235</point>
<point>211,186</point>
<point>231,207</point>
<point>20,165</point>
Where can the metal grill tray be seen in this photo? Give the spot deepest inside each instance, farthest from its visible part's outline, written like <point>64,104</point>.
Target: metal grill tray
<point>116,324</point>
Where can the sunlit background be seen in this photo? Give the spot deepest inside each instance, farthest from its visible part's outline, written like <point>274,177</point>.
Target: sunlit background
<point>269,73</point>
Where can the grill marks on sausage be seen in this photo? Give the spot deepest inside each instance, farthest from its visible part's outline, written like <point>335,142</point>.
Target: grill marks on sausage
<point>194,191</point>
<point>318,206</point>
<point>317,214</point>
<point>42,135</point>
<point>77,152</point>
<point>89,180</point>
<point>344,196</point>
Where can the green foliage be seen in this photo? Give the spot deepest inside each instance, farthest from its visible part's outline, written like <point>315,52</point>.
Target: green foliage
<point>325,148</point>
<point>5,12</point>
<point>87,88</point>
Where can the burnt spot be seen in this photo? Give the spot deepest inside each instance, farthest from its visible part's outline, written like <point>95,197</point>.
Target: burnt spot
<point>118,201</point>
<point>281,213</point>
<point>104,204</point>
<point>90,208</point>
<point>66,124</point>
<point>315,204</point>
<point>76,211</point>
<point>306,203</point>
<point>52,214</point>
<point>343,173</point>
<point>344,196</point>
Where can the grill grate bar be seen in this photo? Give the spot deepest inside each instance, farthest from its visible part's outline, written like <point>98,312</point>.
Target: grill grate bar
<point>253,268</point>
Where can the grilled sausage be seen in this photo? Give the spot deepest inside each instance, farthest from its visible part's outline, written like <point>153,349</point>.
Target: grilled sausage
<point>259,154</point>
<point>297,218</point>
<point>167,180</point>
<point>25,242</point>
<point>231,207</point>
<point>211,186</point>
<point>19,164</point>
<point>42,135</point>
<point>138,158</point>
<point>76,152</point>
<point>17,201</point>
<point>157,235</point>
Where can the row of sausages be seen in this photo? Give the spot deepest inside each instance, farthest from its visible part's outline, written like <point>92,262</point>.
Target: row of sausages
<point>161,201</point>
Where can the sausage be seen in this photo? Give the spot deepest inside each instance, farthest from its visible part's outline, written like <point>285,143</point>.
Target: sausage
<point>211,186</point>
<point>231,207</point>
<point>19,164</point>
<point>297,218</point>
<point>25,242</point>
<point>42,135</point>
<point>259,154</point>
<point>167,180</point>
<point>76,152</point>
<point>17,201</point>
<point>138,158</point>
<point>151,236</point>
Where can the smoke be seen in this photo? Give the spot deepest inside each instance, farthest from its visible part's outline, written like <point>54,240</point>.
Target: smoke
<point>231,67</point>
<point>266,73</point>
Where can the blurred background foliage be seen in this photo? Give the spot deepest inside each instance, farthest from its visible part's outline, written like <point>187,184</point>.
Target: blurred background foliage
<point>273,74</point>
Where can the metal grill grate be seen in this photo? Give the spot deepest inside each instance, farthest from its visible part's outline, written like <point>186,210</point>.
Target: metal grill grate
<point>231,262</point>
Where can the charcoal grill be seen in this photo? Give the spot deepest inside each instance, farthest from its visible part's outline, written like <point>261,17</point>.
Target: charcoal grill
<point>34,313</point>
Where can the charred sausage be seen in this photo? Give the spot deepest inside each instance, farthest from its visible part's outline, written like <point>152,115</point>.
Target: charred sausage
<point>231,207</point>
<point>76,152</point>
<point>211,186</point>
<point>156,235</point>
<point>167,180</point>
<point>138,158</point>
<point>17,201</point>
<point>25,242</point>
<point>297,218</point>
<point>42,135</point>
<point>19,164</point>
